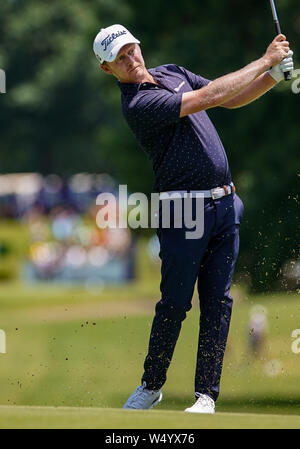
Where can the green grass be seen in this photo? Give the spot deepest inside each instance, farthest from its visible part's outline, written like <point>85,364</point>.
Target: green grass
<point>61,360</point>
<point>84,349</point>
<point>99,418</point>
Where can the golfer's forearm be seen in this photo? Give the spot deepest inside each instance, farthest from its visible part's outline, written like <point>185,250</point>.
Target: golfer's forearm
<point>256,89</point>
<point>222,89</point>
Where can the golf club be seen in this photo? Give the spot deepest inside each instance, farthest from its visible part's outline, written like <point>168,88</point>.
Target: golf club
<point>287,75</point>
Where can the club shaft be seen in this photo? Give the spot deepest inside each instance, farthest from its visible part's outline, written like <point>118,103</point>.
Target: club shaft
<point>277,27</point>
<point>274,12</point>
<point>275,17</point>
<point>287,75</point>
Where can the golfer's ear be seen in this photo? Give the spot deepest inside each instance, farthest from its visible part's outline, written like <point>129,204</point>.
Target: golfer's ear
<point>105,69</point>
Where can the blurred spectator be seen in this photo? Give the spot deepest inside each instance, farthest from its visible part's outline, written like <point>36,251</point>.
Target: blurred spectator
<point>257,329</point>
<point>66,244</point>
<point>18,193</point>
<point>154,248</point>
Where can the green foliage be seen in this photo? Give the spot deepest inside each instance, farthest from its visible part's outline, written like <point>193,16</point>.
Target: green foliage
<point>62,114</point>
<point>14,241</point>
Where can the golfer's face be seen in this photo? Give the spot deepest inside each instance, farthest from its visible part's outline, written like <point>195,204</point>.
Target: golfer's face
<point>129,66</point>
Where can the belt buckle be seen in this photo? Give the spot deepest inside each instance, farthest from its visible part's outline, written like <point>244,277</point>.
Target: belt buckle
<point>217,193</point>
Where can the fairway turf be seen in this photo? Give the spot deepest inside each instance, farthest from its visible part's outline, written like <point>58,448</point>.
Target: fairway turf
<point>74,356</point>
<point>22,417</point>
<point>57,359</point>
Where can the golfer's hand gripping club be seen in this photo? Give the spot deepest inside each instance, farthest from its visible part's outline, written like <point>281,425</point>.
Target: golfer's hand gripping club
<point>287,65</point>
<point>278,54</point>
<point>287,74</point>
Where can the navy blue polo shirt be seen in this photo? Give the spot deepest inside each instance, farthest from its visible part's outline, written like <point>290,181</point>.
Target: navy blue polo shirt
<point>186,153</point>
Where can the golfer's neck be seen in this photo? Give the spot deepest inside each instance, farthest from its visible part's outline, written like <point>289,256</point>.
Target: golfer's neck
<point>148,78</point>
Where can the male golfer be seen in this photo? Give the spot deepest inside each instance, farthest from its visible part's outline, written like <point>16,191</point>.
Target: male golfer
<point>165,107</point>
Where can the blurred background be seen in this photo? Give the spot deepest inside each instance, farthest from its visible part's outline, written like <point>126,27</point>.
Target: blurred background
<point>76,302</point>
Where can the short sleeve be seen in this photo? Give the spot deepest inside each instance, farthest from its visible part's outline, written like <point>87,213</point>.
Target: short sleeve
<point>196,81</point>
<point>154,108</point>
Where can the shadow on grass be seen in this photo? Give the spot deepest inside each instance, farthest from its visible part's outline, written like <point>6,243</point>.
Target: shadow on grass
<point>278,405</point>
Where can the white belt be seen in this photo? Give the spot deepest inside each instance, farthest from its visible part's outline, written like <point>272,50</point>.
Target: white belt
<point>216,193</point>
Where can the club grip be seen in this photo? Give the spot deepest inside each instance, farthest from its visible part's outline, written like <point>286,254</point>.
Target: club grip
<point>287,75</point>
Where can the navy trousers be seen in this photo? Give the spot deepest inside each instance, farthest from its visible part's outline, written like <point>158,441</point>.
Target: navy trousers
<point>208,261</point>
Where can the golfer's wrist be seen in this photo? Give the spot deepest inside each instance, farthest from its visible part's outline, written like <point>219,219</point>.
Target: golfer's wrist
<point>267,62</point>
<point>277,77</point>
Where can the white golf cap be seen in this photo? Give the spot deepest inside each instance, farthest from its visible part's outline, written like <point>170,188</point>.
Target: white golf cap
<point>110,40</point>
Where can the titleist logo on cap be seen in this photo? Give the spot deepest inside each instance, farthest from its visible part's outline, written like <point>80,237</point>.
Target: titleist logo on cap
<point>111,37</point>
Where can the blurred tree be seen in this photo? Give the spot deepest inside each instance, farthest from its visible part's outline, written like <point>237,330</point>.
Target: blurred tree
<point>58,112</point>
<point>62,114</point>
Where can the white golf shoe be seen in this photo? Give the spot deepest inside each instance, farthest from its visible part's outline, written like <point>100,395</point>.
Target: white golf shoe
<point>143,399</point>
<point>204,404</point>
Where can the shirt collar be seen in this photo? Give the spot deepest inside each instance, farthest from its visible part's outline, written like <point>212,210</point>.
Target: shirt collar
<point>133,88</point>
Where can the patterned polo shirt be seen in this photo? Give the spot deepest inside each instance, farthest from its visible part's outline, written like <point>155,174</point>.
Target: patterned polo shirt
<point>186,153</point>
